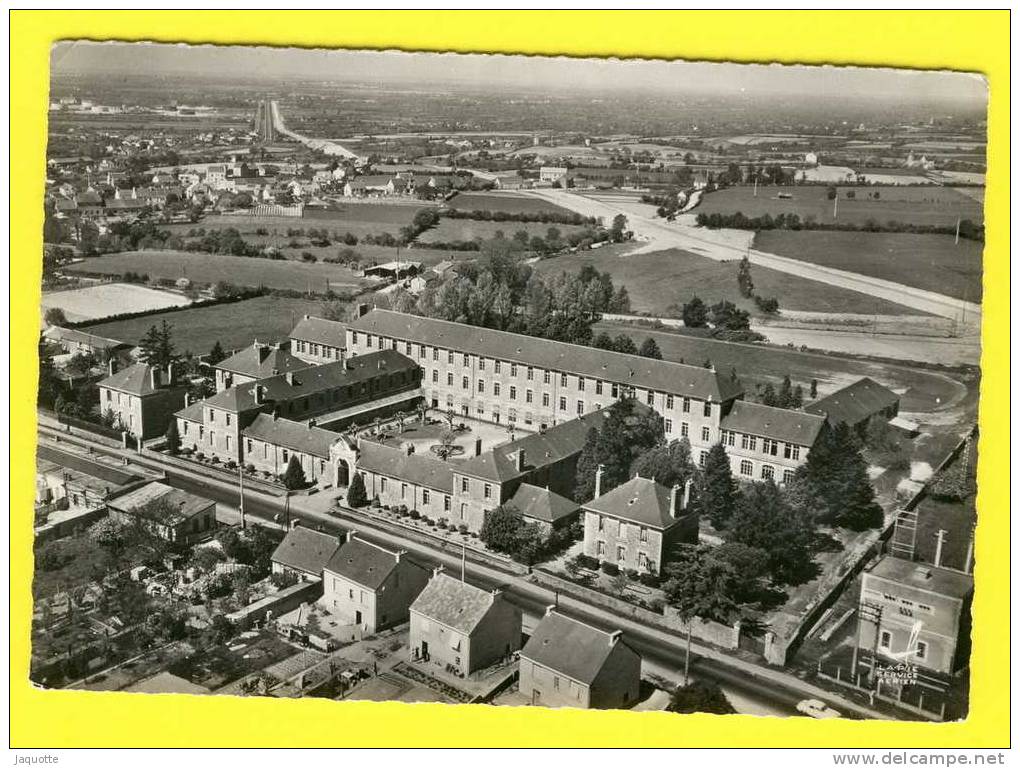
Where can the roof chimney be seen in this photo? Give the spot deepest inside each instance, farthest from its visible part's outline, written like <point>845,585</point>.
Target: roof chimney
<point>687,493</point>
<point>289,376</point>
<point>598,480</point>
<point>311,423</point>
<point>437,570</point>
<point>614,637</point>
<point>675,500</point>
<point>154,373</point>
<point>399,554</point>
<point>349,536</point>
<point>478,446</point>
<point>520,459</point>
<point>549,609</point>
<point>111,365</point>
<point>256,393</point>
<point>169,373</point>
<point>498,592</point>
<point>187,399</point>
<point>294,523</point>
<point>362,310</point>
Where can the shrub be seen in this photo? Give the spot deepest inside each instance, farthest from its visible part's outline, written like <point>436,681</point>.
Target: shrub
<point>413,513</point>
<point>631,574</point>
<point>442,524</point>
<point>462,528</point>
<point>610,569</point>
<point>649,579</point>
<point>586,561</point>
<point>249,468</point>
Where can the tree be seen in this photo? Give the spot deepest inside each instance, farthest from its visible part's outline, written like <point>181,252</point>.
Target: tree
<point>604,341</point>
<point>700,696</point>
<point>668,464</point>
<point>55,316</point>
<point>356,494</point>
<point>618,232</point>
<point>216,354</point>
<point>157,348</point>
<point>294,476</point>
<point>629,430</point>
<point>501,529</point>
<point>765,520</point>
<point>814,388</point>
<point>173,440</point>
<point>744,281</point>
<point>650,349</point>
<point>699,585</point>
<point>50,386</point>
<point>836,484</point>
<point>718,494</point>
<point>624,343</point>
<point>695,313</point>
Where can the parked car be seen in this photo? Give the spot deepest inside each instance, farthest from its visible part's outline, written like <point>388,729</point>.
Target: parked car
<point>817,709</point>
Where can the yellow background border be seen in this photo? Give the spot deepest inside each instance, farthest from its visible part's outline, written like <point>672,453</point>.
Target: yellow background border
<point>976,41</point>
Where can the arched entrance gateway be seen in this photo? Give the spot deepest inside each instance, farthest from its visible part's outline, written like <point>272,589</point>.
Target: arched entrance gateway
<point>343,455</point>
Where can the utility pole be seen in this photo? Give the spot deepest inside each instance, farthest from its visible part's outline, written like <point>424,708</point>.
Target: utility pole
<point>463,561</point>
<point>957,242</point>
<point>240,488</point>
<point>835,205</point>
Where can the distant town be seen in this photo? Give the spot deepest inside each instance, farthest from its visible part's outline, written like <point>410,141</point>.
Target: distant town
<point>468,392</point>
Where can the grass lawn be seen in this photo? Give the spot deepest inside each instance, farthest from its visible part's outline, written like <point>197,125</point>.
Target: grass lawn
<point>930,262</point>
<point>449,230</point>
<point>211,267</point>
<point>81,561</point>
<point>502,201</point>
<point>98,301</point>
<point>235,325</point>
<point>658,279</point>
<point>930,205</point>
<point>919,390</point>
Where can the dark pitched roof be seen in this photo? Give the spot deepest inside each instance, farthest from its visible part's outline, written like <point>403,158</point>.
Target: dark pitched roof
<point>294,435</point>
<point>416,469</point>
<point>363,563</point>
<point>176,507</point>
<point>542,504</point>
<point>570,647</point>
<point>134,380</point>
<point>307,550</point>
<point>308,381</point>
<point>78,463</point>
<point>854,403</point>
<point>319,330</point>
<point>789,426</point>
<point>630,370</point>
<point>639,500</point>
<point>57,333</point>
<point>453,603</point>
<point>261,361</point>
<point>192,412</point>
<point>540,449</point>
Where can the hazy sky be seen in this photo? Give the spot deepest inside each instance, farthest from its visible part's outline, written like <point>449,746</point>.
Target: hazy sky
<point>560,73</point>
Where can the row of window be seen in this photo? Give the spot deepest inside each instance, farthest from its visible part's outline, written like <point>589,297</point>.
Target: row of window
<point>621,554</point>
<point>768,472</point>
<point>622,530</point>
<point>885,643</point>
<point>317,350</point>
<point>769,447</point>
<point>616,390</point>
<point>426,494</point>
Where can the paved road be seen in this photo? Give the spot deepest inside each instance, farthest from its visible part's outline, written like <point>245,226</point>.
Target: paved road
<point>658,234</point>
<point>770,690</point>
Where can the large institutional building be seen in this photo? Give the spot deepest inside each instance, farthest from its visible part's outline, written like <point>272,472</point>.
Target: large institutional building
<point>509,378</point>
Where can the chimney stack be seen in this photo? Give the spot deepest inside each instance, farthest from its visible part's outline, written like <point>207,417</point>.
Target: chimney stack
<point>169,373</point>
<point>289,375</point>
<point>311,423</point>
<point>187,399</point>
<point>598,481</point>
<point>437,570</point>
<point>614,637</point>
<point>256,392</point>
<point>478,446</point>
<point>399,554</point>
<point>498,592</point>
<point>294,523</point>
<point>154,376</point>
<point>549,609</point>
<point>362,310</point>
<point>675,500</point>
<point>349,536</point>
<point>111,365</point>
<point>687,493</point>
<point>520,459</point>
<point>940,540</point>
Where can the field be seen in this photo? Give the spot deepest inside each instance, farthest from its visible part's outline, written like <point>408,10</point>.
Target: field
<point>449,230</point>
<point>658,279</point>
<point>235,325</point>
<point>502,201</point>
<point>920,391</point>
<point>210,268</point>
<point>930,262</point>
<point>100,301</point>
<point>929,206</point>
<point>357,218</point>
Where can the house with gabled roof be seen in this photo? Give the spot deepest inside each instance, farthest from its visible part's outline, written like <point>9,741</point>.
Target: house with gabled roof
<point>568,663</point>
<point>304,552</point>
<point>371,586</point>
<point>169,513</point>
<point>258,361</point>
<point>543,507</point>
<point>142,398</point>
<point>856,404</point>
<point>638,524</point>
<point>461,628</point>
<point>318,340</point>
<point>768,443</point>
